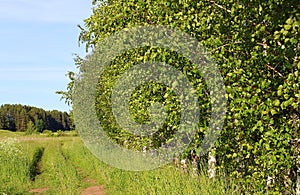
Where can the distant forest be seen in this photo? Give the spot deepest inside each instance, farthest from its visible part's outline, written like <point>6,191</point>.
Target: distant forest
<point>17,117</point>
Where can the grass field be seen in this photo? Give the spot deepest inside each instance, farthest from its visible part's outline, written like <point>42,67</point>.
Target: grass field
<point>62,165</point>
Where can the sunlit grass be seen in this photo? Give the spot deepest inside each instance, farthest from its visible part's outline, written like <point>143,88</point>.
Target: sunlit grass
<point>165,180</point>
<point>14,169</point>
<point>68,167</point>
<point>4,133</point>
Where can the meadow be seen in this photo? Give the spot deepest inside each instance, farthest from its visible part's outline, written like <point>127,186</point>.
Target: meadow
<point>40,164</point>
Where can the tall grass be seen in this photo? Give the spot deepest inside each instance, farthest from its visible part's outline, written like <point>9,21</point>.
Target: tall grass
<point>66,166</point>
<point>13,167</point>
<point>165,180</point>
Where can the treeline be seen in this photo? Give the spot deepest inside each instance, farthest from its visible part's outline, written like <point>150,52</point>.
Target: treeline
<point>17,118</point>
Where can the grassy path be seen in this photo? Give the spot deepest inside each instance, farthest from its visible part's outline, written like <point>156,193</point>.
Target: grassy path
<point>59,173</point>
<point>68,167</point>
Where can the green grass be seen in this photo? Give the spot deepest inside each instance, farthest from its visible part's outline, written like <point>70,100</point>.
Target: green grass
<point>4,133</point>
<point>58,174</point>
<point>166,180</point>
<point>68,167</point>
<point>13,169</point>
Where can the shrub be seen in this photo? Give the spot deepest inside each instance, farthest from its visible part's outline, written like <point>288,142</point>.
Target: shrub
<point>30,128</point>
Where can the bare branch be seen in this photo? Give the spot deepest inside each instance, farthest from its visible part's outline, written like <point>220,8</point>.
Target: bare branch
<point>272,68</point>
<point>220,6</point>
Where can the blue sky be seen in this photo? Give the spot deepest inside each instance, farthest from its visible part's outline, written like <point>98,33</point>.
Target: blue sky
<point>38,39</point>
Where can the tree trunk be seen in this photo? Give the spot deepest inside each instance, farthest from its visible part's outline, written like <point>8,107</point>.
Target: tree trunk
<point>212,163</point>
<point>298,169</point>
<point>298,183</point>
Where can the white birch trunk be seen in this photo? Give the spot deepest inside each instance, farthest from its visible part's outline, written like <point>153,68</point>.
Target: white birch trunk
<point>212,161</point>
<point>298,183</point>
<point>298,173</point>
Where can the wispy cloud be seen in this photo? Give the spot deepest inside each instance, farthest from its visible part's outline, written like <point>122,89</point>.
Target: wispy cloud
<point>64,11</point>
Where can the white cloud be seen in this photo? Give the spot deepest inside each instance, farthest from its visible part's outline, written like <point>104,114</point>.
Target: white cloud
<point>64,11</point>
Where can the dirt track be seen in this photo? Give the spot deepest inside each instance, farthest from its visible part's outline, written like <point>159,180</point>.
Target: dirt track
<point>92,190</point>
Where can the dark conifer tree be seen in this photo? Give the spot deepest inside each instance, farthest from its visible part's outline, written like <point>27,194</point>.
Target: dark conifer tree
<point>16,118</point>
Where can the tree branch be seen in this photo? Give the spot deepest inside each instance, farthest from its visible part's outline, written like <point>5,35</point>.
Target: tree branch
<point>220,6</point>
<point>272,68</point>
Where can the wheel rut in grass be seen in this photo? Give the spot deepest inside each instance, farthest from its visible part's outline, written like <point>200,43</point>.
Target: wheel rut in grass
<point>36,165</point>
<point>35,170</point>
<point>39,191</point>
<point>93,188</point>
<point>89,186</point>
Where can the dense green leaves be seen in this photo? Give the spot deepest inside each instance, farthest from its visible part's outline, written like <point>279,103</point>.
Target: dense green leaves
<point>145,95</point>
<point>256,47</point>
